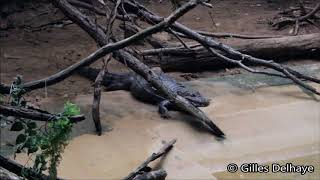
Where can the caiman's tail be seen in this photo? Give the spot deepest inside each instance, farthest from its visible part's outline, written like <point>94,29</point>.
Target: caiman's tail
<point>111,81</point>
<point>215,130</point>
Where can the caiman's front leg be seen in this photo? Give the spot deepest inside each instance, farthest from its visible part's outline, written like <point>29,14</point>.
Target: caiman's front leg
<point>163,109</point>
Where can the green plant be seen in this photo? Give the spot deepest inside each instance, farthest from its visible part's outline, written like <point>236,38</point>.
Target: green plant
<point>47,143</point>
<point>1,98</point>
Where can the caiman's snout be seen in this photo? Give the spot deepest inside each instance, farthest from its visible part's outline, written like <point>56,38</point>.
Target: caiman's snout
<point>199,101</point>
<point>204,102</point>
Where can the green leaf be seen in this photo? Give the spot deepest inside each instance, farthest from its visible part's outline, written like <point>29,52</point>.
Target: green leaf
<point>32,125</point>
<point>17,126</point>
<point>32,149</point>
<point>70,109</point>
<point>21,138</point>
<point>44,146</point>
<point>31,142</point>
<point>32,133</point>
<point>43,167</point>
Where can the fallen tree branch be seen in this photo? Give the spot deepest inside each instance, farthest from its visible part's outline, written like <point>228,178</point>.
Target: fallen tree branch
<point>165,149</point>
<point>125,58</point>
<point>98,80</point>
<point>235,57</point>
<point>152,175</point>
<point>56,23</point>
<point>233,35</point>
<point>17,169</point>
<point>96,101</point>
<point>7,175</point>
<point>289,18</point>
<point>199,59</point>
<point>99,11</point>
<point>99,36</point>
<point>34,114</point>
<point>131,29</point>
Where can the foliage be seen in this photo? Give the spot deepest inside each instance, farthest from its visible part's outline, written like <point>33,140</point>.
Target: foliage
<point>47,145</point>
<point>1,98</point>
<point>47,142</point>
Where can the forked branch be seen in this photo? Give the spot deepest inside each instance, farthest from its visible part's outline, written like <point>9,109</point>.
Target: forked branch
<point>232,55</point>
<point>165,149</point>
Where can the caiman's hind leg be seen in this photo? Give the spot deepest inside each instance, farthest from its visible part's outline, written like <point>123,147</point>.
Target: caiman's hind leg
<point>163,110</point>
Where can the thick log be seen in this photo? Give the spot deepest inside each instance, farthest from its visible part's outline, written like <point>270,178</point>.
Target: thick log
<point>279,49</point>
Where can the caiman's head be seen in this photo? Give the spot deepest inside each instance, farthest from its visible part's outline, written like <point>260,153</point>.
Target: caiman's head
<point>195,98</point>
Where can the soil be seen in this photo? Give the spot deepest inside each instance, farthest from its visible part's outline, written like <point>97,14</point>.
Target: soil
<point>38,54</point>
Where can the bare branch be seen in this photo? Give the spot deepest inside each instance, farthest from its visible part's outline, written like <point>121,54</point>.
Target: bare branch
<point>55,78</point>
<point>132,62</point>
<point>16,168</point>
<point>233,35</point>
<point>34,114</point>
<point>210,43</point>
<point>165,149</point>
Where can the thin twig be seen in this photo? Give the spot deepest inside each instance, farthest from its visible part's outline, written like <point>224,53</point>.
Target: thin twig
<point>233,35</point>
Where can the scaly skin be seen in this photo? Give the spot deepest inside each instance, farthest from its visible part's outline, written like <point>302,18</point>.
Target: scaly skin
<point>143,91</point>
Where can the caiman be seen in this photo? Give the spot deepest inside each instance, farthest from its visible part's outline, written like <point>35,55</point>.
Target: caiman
<point>145,92</point>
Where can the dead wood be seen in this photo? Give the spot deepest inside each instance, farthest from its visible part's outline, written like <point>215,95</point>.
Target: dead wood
<point>98,81</point>
<point>165,149</point>
<point>34,114</point>
<point>7,175</point>
<point>199,59</point>
<point>289,17</point>
<point>99,11</point>
<point>152,175</point>
<point>232,55</point>
<point>97,33</point>
<point>17,169</point>
<point>96,101</point>
<point>132,62</point>
<point>56,23</point>
<point>131,29</point>
<point>234,35</point>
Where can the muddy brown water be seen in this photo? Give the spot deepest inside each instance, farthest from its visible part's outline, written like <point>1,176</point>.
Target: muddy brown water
<point>272,124</point>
